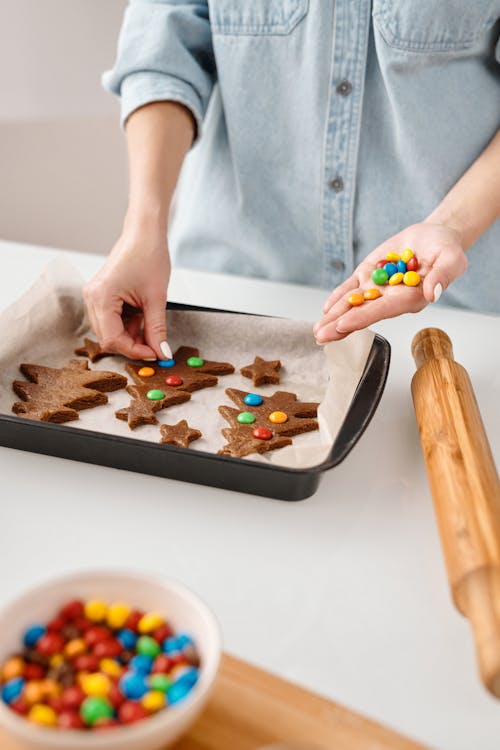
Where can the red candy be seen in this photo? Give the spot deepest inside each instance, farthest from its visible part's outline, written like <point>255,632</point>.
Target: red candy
<point>83,624</point>
<point>72,697</point>
<point>163,632</point>
<point>56,703</point>
<point>162,664</point>
<point>115,696</point>
<point>86,663</point>
<point>20,706</point>
<point>96,634</point>
<point>72,610</point>
<point>174,380</point>
<point>132,620</point>
<point>33,672</point>
<point>70,719</point>
<point>108,648</point>
<point>130,712</point>
<point>50,643</point>
<point>176,659</point>
<point>262,433</point>
<point>412,264</point>
<point>381,263</point>
<point>56,624</point>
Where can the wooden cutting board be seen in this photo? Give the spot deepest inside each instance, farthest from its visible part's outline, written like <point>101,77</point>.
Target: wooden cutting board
<point>251,708</point>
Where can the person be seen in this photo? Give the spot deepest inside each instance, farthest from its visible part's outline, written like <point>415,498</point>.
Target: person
<point>313,137</point>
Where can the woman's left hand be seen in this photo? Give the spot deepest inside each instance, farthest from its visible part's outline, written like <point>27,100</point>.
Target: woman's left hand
<point>441,258</point>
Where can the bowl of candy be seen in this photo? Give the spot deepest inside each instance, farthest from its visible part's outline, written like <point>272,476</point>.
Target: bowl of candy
<point>105,659</point>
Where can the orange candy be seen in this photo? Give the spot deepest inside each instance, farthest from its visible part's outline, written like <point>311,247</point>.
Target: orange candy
<point>355,299</point>
<point>369,294</point>
<point>278,417</point>
<point>75,648</point>
<point>146,372</point>
<point>12,668</point>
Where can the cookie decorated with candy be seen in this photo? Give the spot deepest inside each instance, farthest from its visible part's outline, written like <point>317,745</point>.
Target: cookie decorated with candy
<point>147,401</point>
<point>264,423</point>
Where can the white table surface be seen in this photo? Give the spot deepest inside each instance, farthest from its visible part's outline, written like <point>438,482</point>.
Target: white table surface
<point>345,592</point>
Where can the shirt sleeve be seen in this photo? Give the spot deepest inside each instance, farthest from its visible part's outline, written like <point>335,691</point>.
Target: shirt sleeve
<point>164,53</point>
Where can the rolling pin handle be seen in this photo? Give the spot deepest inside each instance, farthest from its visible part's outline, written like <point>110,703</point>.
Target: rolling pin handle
<point>431,343</point>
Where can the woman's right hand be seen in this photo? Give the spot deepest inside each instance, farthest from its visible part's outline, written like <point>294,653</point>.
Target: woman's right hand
<point>136,272</point>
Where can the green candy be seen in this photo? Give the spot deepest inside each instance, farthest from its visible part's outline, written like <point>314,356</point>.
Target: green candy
<point>155,395</point>
<point>160,682</point>
<point>148,646</point>
<point>94,708</point>
<point>245,417</point>
<point>380,276</point>
<point>195,361</point>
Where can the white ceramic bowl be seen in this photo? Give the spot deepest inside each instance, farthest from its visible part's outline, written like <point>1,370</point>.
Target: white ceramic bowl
<point>184,611</point>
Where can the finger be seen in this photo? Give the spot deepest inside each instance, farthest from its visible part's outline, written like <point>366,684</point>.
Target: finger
<point>392,303</point>
<point>155,328</point>
<point>447,267</point>
<point>347,286</point>
<point>328,321</point>
<point>114,337</point>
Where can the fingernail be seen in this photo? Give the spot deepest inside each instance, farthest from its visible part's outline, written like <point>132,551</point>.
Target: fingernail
<point>149,359</point>
<point>166,350</point>
<point>438,290</point>
<point>340,327</point>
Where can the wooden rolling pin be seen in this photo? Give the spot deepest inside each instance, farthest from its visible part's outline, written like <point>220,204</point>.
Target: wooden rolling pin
<point>465,488</point>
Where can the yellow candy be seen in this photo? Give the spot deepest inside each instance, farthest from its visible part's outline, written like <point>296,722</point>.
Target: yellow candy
<point>119,611</point>
<point>278,417</point>
<point>33,692</point>
<point>392,256</point>
<point>110,667</point>
<point>95,684</point>
<point>75,648</point>
<point>96,610</point>
<point>153,701</point>
<point>56,660</point>
<point>406,255</point>
<point>411,278</point>
<point>44,715</point>
<point>372,294</point>
<point>13,667</point>
<point>355,299</point>
<point>396,278</point>
<point>149,622</point>
<point>146,372</point>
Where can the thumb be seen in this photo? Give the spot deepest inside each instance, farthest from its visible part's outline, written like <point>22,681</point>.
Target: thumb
<point>434,284</point>
<point>448,267</point>
<point>155,328</point>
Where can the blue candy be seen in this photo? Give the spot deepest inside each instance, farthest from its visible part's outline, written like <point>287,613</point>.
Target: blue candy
<point>253,399</point>
<point>33,635</point>
<point>127,638</point>
<point>177,692</point>
<point>189,677</point>
<point>401,266</point>
<point>165,362</point>
<point>133,685</point>
<point>183,639</point>
<point>141,663</point>
<point>391,269</point>
<point>12,689</point>
<point>170,645</point>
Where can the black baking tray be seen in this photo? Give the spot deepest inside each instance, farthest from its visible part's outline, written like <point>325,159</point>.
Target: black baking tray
<point>203,468</point>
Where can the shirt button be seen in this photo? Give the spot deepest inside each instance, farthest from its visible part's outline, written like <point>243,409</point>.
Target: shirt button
<point>337,184</point>
<point>337,264</point>
<point>344,88</point>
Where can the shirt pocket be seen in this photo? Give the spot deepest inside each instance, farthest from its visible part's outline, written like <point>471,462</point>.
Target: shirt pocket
<point>256,17</point>
<point>426,25</point>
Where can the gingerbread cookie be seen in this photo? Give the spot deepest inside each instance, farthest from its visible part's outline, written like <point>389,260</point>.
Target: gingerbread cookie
<point>92,350</point>
<point>262,371</point>
<point>264,423</point>
<point>57,394</point>
<point>180,434</point>
<point>186,371</point>
<point>142,408</point>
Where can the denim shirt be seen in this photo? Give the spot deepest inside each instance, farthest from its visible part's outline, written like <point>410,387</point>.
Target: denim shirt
<point>323,127</point>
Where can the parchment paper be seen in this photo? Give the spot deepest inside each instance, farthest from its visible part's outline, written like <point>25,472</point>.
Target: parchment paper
<point>49,322</point>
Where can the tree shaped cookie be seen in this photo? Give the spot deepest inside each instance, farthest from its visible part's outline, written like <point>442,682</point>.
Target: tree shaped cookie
<point>188,372</point>
<point>180,434</point>
<point>264,423</point>
<point>262,371</point>
<point>57,394</point>
<point>92,350</point>
<point>142,409</point>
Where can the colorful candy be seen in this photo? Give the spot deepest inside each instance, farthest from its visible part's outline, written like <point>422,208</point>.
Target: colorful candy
<point>355,299</point>
<point>246,417</point>
<point>391,269</point>
<point>155,394</point>
<point>278,417</point>
<point>411,278</point>
<point>146,372</point>
<point>96,666</point>
<point>380,276</point>
<point>392,256</point>
<point>174,380</point>
<point>165,362</point>
<point>262,433</point>
<point>412,264</point>
<point>253,399</point>
<point>397,278</point>
<point>406,255</point>
<point>401,266</point>
<point>372,293</point>
<point>195,362</point>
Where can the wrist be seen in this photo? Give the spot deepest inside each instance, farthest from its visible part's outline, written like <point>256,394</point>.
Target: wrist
<point>146,220</point>
<point>449,220</point>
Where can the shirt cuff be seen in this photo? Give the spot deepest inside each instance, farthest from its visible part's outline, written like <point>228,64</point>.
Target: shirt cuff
<point>144,87</point>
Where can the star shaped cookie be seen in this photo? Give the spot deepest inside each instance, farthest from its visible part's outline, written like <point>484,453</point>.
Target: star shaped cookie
<point>180,434</point>
<point>262,371</point>
<point>92,350</point>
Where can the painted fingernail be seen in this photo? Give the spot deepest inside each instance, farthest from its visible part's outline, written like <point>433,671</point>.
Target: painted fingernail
<point>166,350</point>
<point>438,290</point>
<point>149,359</point>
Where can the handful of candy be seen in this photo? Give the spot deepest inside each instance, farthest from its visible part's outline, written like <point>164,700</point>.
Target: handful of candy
<point>95,666</point>
<point>393,269</point>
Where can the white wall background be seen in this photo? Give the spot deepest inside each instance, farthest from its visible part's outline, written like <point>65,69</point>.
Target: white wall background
<point>63,178</point>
